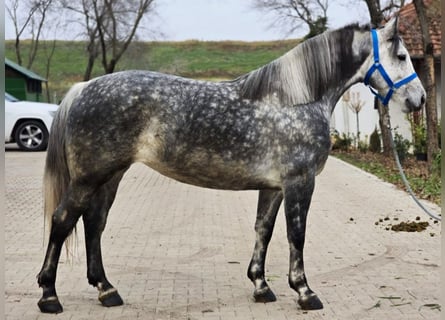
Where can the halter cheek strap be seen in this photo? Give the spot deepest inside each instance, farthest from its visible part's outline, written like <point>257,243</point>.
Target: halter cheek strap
<point>377,66</point>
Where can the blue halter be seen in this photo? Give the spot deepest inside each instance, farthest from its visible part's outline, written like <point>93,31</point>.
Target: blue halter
<point>377,66</point>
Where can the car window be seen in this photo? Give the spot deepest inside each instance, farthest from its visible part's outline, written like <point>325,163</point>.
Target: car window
<point>10,98</point>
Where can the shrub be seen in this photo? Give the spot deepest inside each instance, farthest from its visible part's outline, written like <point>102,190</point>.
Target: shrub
<point>374,142</point>
<point>362,145</point>
<point>419,139</point>
<point>401,145</point>
<point>342,142</point>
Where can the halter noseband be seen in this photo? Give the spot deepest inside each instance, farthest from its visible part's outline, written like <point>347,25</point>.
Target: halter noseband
<point>377,66</point>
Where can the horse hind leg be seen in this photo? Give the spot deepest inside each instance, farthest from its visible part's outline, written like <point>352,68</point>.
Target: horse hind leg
<point>74,203</point>
<point>269,202</point>
<point>94,222</point>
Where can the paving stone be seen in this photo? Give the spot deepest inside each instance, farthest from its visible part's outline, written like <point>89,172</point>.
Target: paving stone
<point>180,252</point>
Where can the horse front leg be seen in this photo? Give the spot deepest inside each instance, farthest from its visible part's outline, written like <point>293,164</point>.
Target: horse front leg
<point>269,202</point>
<point>297,198</point>
<point>94,221</point>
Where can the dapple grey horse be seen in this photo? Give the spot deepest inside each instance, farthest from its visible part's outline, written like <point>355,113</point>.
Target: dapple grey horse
<point>267,130</point>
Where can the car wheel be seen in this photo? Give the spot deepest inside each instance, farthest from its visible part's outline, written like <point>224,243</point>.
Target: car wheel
<point>31,135</point>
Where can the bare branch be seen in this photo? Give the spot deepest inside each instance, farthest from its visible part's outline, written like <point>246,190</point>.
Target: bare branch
<point>111,26</point>
<point>292,15</point>
<point>42,9</point>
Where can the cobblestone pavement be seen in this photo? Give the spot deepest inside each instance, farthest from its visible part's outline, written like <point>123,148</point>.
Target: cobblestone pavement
<point>179,252</point>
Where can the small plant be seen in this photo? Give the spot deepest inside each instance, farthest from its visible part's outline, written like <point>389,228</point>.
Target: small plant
<point>437,165</point>
<point>401,145</point>
<point>362,145</point>
<point>375,145</point>
<point>419,139</point>
<point>342,142</point>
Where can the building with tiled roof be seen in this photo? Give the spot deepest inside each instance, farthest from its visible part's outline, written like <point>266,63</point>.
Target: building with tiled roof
<point>410,31</point>
<point>409,28</point>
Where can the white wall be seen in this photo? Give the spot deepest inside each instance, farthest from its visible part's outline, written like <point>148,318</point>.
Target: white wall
<point>344,119</point>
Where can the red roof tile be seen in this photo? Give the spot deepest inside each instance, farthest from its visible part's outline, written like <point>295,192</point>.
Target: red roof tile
<point>409,28</point>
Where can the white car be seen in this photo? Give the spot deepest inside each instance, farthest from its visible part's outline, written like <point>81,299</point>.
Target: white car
<point>28,123</point>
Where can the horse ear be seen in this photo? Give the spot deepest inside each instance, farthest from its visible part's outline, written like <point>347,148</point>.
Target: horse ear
<point>396,25</point>
<point>392,26</point>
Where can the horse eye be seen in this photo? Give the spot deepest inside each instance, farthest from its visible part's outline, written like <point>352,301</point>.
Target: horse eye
<point>401,57</point>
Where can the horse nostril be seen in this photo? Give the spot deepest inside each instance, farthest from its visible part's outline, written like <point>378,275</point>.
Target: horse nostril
<point>422,99</point>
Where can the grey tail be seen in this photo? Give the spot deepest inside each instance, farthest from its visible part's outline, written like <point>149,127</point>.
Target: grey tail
<point>56,176</point>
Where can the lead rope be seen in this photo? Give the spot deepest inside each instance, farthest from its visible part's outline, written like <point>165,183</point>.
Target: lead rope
<point>404,179</point>
<point>385,100</point>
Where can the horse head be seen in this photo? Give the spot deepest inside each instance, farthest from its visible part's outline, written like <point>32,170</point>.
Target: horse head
<point>391,74</point>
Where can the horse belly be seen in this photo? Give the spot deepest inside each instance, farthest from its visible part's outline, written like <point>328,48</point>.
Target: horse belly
<point>198,170</point>
<point>201,167</point>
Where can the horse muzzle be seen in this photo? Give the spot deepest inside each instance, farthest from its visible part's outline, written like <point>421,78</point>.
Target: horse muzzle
<point>411,105</point>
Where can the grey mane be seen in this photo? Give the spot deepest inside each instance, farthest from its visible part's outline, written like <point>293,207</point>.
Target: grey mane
<point>304,74</point>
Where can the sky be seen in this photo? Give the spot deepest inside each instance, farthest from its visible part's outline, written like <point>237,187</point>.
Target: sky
<point>223,20</point>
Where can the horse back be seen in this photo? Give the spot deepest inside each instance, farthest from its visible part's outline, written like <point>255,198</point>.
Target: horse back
<point>197,132</point>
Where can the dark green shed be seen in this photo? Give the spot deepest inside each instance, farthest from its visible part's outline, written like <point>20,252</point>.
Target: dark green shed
<point>22,83</point>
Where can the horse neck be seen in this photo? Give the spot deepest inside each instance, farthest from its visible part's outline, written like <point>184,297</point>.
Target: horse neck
<point>330,63</point>
<point>321,68</point>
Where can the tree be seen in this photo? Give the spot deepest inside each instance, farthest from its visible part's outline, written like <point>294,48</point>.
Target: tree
<point>379,14</point>
<point>117,23</point>
<point>49,47</point>
<point>85,9</point>
<point>292,15</point>
<point>30,19</point>
<point>356,105</point>
<point>28,16</point>
<point>110,26</point>
<point>12,7</point>
<point>429,81</point>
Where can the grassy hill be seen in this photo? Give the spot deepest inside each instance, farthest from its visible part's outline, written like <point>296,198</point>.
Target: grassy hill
<point>194,59</point>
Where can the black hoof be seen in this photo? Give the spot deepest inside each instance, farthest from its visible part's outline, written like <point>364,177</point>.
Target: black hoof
<point>264,295</point>
<point>111,299</point>
<point>310,303</point>
<point>50,305</point>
